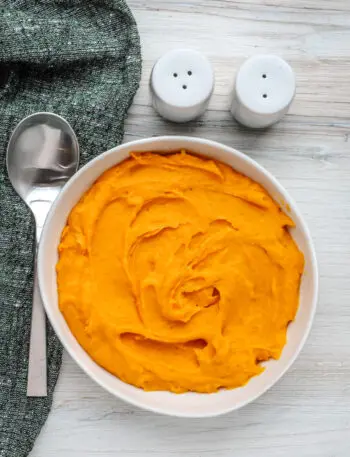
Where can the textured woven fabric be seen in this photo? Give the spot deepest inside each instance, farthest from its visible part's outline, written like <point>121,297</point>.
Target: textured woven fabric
<point>79,59</point>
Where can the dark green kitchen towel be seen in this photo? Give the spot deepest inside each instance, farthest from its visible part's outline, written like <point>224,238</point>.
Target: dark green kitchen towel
<point>80,59</point>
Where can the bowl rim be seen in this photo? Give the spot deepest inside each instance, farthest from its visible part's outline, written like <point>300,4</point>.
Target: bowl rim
<point>197,141</point>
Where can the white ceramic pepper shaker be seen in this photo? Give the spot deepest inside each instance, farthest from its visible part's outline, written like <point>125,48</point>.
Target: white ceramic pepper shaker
<point>182,82</point>
<point>264,90</point>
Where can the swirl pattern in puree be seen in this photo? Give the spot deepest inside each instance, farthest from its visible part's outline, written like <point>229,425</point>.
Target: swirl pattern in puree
<point>177,273</point>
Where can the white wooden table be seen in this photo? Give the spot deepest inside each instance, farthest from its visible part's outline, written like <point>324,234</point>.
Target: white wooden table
<point>307,414</point>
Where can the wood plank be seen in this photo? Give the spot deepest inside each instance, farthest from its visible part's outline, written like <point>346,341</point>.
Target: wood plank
<point>307,414</point>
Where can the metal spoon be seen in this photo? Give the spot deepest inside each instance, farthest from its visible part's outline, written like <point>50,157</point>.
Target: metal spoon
<point>42,154</point>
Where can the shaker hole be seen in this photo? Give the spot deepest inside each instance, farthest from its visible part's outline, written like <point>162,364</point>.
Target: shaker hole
<point>189,73</point>
<point>264,76</point>
<point>175,75</point>
<point>264,95</point>
<point>184,86</point>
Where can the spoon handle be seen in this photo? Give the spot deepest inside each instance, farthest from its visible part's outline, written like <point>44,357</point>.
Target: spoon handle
<point>37,367</point>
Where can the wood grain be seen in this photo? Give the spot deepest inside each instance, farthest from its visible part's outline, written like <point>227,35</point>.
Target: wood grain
<point>307,414</point>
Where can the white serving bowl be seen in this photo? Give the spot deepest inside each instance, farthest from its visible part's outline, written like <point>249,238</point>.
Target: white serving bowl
<point>188,404</point>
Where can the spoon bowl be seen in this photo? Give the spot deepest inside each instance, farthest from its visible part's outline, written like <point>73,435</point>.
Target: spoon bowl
<point>42,154</point>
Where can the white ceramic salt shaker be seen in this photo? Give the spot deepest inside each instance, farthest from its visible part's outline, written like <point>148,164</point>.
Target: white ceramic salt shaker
<point>264,90</point>
<point>182,82</point>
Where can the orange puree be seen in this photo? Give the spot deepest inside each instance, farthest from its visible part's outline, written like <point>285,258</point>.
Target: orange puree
<point>178,273</point>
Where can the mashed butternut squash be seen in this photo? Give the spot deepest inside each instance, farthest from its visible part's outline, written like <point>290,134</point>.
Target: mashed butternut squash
<point>178,273</point>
